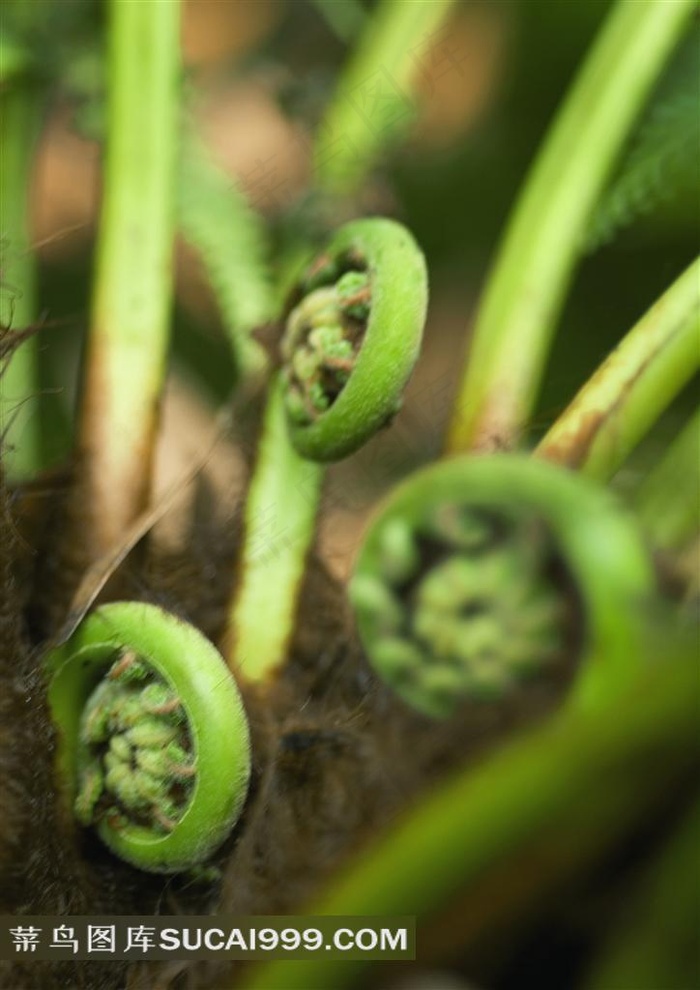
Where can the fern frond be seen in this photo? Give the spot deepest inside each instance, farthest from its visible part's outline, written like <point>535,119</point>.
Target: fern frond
<point>215,218</point>
<point>662,165</point>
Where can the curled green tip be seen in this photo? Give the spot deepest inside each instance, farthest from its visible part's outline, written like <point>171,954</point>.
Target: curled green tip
<point>353,337</point>
<point>478,575</point>
<point>153,741</point>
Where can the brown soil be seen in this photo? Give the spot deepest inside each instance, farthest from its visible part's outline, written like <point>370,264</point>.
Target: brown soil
<point>336,755</point>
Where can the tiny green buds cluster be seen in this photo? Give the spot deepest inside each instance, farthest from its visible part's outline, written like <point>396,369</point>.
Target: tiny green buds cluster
<point>482,616</point>
<point>479,575</point>
<point>352,337</point>
<point>324,334</point>
<point>153,741</point>
<point>142,765</point>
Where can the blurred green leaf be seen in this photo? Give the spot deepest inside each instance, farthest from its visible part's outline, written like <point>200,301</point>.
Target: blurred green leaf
<point>230,238</point>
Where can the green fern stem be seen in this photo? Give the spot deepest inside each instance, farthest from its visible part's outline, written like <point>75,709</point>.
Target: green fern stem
<point>623,399</point>
<point>526,289</point>
<point>668,500</point>
<point>654,945</point>
<point>373,106</point>
<point>374,102</point>
<point>126,351</point>
<point>585,777</point>
<point>279,523</point>
<point>20,428</point>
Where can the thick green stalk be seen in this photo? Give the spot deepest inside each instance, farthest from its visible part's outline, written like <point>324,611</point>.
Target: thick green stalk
<point>623,399</point>
<point>133,281</point>
<point>280,518</point>
<point>659,947</point>
<point>668,501</point>
<point>374,103</point>
<point>20,428</point>
<point>527,286</point>
<point>560,799</point>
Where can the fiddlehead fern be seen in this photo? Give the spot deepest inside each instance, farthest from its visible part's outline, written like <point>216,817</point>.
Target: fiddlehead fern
<point>353,330</point>
<point>480,574</point>
<point>352,337</point>
<point>153,741</point>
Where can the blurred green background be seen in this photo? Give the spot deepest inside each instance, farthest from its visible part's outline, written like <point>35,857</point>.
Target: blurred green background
<point>258,76</point>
